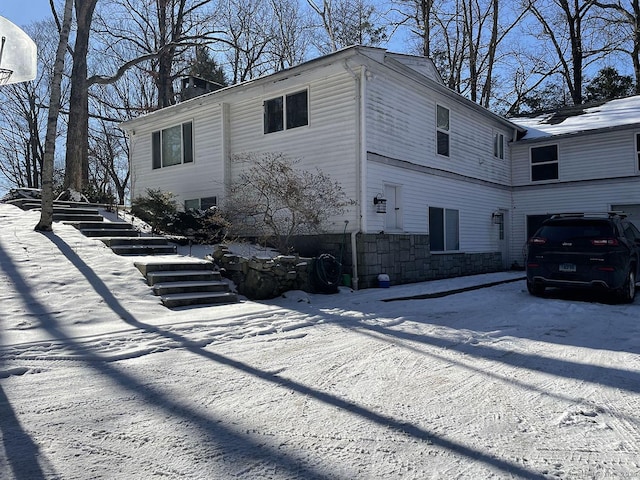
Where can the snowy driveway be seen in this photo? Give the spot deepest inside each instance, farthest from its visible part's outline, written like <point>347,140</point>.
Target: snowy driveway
<point>98,381</point>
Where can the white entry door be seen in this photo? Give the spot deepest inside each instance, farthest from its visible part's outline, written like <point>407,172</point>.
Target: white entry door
<point>393,217</point>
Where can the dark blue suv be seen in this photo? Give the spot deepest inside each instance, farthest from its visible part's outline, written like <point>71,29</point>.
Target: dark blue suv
<point>582,250</point>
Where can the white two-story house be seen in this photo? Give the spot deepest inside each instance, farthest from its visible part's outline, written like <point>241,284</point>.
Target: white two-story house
<point>442,186</point>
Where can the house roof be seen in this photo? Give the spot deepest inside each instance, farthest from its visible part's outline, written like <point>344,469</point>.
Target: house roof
<point>421,69</point>
<point>582,119</point>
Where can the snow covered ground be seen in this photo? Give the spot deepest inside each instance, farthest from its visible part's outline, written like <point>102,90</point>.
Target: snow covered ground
<point>99,381</point>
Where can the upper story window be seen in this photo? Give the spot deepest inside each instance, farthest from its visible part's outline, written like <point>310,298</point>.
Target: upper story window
<point>498,146</point>
<point>286,112</point>
<point>544,163</point>
<point>442,130</point>
<point>173,145</point>
<point>638,151</point>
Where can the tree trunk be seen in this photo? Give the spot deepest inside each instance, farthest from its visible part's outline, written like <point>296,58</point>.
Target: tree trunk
<point>77,158</point>
<point>46,216</point>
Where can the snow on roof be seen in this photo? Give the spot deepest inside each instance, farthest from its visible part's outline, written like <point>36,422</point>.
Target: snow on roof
<point>614,113</point>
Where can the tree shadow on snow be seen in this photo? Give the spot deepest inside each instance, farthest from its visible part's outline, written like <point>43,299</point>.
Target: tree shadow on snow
<point>231,441</point>
<point>21,450</point>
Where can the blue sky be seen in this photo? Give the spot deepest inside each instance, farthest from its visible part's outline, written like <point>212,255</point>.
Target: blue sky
<point>23,12</point>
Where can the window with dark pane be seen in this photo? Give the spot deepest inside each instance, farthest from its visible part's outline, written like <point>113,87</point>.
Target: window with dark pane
<point>273,115</point>
<point>297,110</point>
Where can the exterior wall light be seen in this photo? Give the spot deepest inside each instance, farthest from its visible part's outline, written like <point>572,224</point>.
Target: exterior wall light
<point>380,203</point>
<point>497,218</point>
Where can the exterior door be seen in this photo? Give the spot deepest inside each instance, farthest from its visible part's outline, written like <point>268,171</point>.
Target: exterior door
<point>393,217</point>
<point>503,238</point>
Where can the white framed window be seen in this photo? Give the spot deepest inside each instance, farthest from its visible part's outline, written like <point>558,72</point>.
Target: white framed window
<point>444,229</point>
<point>172,146</point>
<point>544,163</point>
<point>200,203</point>
<point>442,130</point>
<point>498,146</point>
<point>286,112</point>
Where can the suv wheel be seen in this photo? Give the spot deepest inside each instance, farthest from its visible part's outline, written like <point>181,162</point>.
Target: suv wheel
<point>628,291</point>
<point>535,288</point>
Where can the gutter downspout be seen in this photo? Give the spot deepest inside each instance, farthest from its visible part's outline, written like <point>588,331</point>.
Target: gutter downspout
<point>361,170</point>
<point>360,165</point>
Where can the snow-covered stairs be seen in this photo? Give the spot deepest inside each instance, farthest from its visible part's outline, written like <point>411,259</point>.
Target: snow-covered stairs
<point>182,283</point>
<point>123,239</point>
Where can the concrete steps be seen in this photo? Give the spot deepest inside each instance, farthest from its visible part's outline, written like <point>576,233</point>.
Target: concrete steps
<point>185,283</point>
<point>123,239</point>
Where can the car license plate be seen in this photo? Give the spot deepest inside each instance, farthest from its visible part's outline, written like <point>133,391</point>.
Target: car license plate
<point>567,267</point>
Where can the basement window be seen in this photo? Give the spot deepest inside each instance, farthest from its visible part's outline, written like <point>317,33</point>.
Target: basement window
<point>172,146</point>
<point>200,203</point>
<point>286,112</point>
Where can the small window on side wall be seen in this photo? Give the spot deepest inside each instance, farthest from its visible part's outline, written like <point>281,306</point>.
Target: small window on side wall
<point>544,163</point>
<point>442,130</point>
<point>498,146</point>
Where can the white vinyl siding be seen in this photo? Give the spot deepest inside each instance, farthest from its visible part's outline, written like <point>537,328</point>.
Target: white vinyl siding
<point>401,121</point>
<point>198,179</point>
<point>475,202</point>
<point>582,157</point>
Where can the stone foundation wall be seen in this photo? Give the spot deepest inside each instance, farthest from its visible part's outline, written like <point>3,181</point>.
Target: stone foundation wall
<point>404,258</point>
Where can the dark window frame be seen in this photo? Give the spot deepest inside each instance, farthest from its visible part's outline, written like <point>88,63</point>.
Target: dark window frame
<point>498,145</point>
<point>158,145</point>
<point>444,233</point>
<point>286,112</point>
<point>544,162</point>
<point>443,135</point>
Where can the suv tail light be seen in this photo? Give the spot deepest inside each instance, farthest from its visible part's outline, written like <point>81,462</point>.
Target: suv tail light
<point>537,240</point>
<point>604,242</point>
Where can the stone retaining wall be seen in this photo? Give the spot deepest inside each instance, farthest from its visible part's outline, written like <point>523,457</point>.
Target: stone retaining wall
<point>404,258</point>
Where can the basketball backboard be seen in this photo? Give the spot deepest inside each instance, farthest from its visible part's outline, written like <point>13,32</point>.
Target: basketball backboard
<point>18,60</point>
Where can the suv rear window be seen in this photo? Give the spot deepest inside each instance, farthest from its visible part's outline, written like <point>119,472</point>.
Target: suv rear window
<point>575,230</point>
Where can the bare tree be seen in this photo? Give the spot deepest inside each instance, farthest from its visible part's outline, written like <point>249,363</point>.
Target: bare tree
<point>624,19</point>
<point>418,16</point>
<point>159,39</point>
<point>465,39</point>
<point>249,36</point>
<point>290,28</point>
<point>572,31</point>
<point>46,217</point>
<point>77,161</point>
<point>275,200</point>
<point>346,22</point>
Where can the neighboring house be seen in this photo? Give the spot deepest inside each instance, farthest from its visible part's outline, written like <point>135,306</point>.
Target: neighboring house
<point>578,159</point>
<point>385,126</point>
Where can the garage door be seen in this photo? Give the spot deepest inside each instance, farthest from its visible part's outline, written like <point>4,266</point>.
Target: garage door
<point>632,211</point>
